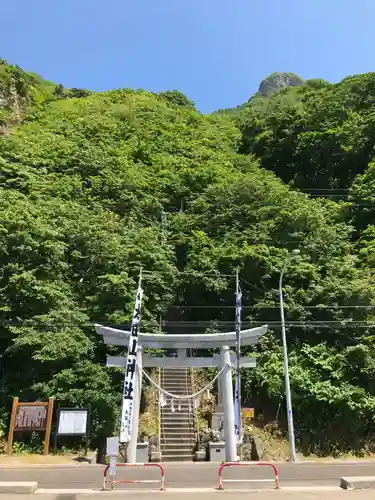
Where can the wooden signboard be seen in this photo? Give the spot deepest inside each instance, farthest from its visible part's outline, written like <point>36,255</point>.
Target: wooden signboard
<point>31,417</point>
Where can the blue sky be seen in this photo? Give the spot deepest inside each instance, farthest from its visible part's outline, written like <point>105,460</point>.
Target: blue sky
<point>214,51</point>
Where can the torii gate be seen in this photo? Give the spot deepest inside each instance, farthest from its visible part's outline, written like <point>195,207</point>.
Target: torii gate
<point>223,341</point>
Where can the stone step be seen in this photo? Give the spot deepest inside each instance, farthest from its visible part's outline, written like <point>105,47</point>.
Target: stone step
<point>178,427</point>
<point>177,414</point>
<point>183,445</point>
<point>172,428</point>
<point>174,369</point>
<point>182,426</point>
<point>168,453</point>
<point>165,442</point>
<point>172,388</point>
<point>176,431</point>
<point>180,390</point>
<point>174,379</point>
<point>178,458</point>
<point>181,418</point>
<point>181,438</point>
<point>174,451</point>
<point>176,391</point>
<point>172,444</point>
<point>183,429</point>
<point>176,402</point>
<point>167,409</point>
<point>170,413</point>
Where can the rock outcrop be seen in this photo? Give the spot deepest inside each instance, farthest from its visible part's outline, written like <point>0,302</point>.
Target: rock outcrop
<point>277,81</point>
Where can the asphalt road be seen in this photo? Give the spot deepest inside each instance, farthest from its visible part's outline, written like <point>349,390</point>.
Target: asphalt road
<point>215,495</point>
<point>190,475</point>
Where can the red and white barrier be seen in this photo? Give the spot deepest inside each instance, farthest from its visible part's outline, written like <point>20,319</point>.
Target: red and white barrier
<point>135,481</point>
<point>239,464</point>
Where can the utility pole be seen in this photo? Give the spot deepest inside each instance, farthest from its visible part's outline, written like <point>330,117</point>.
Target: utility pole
<point>288,396</point>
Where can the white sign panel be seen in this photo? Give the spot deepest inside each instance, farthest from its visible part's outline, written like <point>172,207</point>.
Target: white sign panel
<point>112,446</point>
<point>72,422</point>
<point>130,370</point>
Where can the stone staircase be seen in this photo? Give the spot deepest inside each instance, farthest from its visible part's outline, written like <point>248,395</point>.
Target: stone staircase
<point>178,434</point>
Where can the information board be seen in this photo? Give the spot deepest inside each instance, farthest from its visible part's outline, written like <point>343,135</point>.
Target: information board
<point>30,418</point>
<point>72,422</point>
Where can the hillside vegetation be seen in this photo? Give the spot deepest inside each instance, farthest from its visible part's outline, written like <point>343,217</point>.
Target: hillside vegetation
<point>96,185</point>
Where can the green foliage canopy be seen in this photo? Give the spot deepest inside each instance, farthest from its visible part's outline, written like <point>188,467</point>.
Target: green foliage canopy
<point>94,186</point>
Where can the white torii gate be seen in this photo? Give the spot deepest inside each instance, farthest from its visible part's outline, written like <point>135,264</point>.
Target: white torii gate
<point>223,341</point>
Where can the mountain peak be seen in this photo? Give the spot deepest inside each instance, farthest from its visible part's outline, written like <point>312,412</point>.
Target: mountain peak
<point>277,81</point>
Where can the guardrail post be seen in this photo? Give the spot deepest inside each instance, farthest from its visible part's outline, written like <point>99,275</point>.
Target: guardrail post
<point>239,464</point>
<point>134,481</point>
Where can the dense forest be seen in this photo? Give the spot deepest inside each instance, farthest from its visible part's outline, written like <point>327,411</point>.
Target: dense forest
<point>96,185</point>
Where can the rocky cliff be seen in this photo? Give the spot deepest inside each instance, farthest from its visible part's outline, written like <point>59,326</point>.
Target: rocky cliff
<point>277,81</point>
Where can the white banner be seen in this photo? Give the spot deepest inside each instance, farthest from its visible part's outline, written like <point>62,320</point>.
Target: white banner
<point>237,404</point>
<point>130,370</point>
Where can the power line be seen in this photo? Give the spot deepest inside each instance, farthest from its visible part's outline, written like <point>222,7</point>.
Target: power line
<point>323,307</point>
<point>210,322</point>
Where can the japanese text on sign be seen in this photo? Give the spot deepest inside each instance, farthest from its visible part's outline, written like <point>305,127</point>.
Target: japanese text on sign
<point>31,418</point>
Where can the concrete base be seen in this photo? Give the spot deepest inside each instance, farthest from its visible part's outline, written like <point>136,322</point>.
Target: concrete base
<point>357,483</point>
<point>200,456</point>
<point>17,487</point>
<point>142,453</point>
<point>155,456</point>
<point>217,451</point>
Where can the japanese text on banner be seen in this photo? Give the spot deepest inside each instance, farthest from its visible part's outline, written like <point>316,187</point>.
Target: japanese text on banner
<point>130,371</point>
